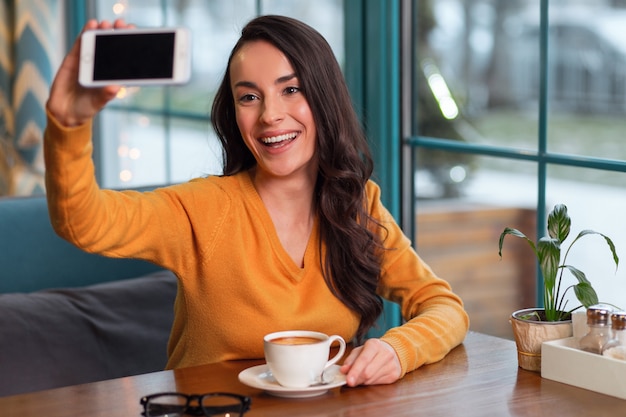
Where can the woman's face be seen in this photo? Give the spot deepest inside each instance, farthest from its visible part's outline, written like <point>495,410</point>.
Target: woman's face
<point>272,113</point>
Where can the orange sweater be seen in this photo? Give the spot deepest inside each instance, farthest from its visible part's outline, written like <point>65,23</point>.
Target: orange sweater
<point>236,283</point>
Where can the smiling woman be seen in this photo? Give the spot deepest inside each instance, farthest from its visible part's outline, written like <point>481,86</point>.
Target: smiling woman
<point>277,89</point>
<point>272,114</point>
<point>294,232</point>
<point>277,126</point>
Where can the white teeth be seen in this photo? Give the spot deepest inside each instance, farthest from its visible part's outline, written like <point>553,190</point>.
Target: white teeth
<point>279,138</point>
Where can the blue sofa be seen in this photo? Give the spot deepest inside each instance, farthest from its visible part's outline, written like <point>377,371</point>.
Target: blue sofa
<point>68,317</point>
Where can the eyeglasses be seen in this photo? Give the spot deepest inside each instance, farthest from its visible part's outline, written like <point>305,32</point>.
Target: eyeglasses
<point>214,404</point>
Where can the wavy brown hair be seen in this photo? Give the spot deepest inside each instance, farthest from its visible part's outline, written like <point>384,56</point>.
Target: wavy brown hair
<point>352,261</point>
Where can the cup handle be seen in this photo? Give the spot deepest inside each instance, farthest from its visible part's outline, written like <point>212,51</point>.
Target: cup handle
<point>339,355</point>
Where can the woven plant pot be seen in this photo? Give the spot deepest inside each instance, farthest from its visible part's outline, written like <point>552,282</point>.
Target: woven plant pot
<point>531,333</point>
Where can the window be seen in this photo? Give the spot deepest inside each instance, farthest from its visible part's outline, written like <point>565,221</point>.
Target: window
<point>498,110</point>
<point>161,135</point>
<point>516,106</point>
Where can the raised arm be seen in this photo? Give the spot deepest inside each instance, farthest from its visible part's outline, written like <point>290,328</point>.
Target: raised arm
<point>70,103</point>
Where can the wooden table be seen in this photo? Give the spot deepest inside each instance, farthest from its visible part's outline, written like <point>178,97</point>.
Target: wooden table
<point>479,378</point>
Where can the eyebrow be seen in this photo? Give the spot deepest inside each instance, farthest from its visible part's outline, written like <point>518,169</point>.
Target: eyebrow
<point>279,80</point>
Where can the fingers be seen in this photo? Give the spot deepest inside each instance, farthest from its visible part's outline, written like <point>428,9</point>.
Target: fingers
<point>69,102</point>
<point>373,363</point>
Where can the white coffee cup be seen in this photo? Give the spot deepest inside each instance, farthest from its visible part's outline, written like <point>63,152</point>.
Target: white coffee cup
<point>297,358</point>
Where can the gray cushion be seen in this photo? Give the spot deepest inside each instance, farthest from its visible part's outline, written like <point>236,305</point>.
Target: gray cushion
<point>54,338</point>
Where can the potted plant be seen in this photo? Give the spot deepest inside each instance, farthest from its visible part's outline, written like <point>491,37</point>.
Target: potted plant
<point>534,325</point>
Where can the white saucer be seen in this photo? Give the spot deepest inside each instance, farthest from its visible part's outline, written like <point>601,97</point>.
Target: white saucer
<point>261,377</point>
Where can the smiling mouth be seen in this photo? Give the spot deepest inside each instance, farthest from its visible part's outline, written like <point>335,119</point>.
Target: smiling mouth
<point>280,140</point>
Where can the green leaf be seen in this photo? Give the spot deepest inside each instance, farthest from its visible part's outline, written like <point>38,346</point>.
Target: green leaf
<point>612,247</point>
<point>586,294</point>
<point>516,233</point>
<point>549,255</point>
<point>580,275</point>
<point>559,223</point>
<point>608,240</point>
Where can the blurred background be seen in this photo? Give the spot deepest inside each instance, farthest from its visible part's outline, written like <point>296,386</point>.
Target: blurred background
<point>493,112</point>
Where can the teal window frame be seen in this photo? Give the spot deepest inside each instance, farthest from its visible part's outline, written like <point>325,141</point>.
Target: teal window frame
<point>541,157</point>
<point>378,67</point>
<point>372,72</point>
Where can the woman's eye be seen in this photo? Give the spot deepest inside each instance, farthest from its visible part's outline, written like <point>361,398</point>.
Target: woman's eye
<point>292,90</point>
<point>247,98</point>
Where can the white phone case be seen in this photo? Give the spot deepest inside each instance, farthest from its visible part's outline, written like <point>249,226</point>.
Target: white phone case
<point>158,56</point>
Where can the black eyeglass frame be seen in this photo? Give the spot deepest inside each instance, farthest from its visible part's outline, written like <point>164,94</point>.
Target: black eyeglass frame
<point>199,410</point>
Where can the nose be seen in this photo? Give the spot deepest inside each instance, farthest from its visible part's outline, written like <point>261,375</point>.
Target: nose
<point>272,111</point>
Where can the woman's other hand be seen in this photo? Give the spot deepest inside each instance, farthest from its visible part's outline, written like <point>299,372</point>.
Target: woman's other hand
<point>69,102</point>
<point>373,363</point>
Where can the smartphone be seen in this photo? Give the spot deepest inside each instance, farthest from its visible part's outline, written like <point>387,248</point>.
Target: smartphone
<point>158,56</point>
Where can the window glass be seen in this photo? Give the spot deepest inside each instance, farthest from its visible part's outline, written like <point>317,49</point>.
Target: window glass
<point>185,160</point>
<point>477,78</point>
<point>324,15</point>
<point>169,126</point>
<point>599,206</point>
<point>587,70</point>
<point>458,238</point>
<point>476,71</point>
<point>134,145</point>
<point>477,81</point>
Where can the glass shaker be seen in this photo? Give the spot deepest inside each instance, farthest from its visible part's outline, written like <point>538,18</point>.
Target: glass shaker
<point>616,346</point>
<point>598,320</point>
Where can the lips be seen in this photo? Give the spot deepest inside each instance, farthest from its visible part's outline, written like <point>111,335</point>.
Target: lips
<point>279,140</point>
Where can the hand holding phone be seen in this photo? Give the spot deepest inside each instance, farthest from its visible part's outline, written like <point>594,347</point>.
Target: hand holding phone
<point>159,56</point>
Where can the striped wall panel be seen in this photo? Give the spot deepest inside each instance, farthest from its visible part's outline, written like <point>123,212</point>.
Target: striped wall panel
<point>32,42</point>
<point>6,70</point>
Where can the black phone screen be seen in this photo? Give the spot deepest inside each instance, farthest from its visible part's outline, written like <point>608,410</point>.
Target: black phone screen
<point>134,56</point>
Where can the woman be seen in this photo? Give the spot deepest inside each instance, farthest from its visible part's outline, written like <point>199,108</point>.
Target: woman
<point>292,236</point>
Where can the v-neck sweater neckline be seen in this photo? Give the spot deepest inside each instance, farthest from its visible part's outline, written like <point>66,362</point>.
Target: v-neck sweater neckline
<point>251,194</point>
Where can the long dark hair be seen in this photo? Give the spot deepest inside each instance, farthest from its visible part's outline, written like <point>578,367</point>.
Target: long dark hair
<point>352,260</point>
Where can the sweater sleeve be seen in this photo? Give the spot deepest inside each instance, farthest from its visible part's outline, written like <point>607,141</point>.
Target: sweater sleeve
<point>153,226</point>
<point>435,320</point>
